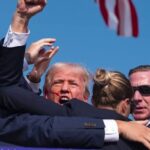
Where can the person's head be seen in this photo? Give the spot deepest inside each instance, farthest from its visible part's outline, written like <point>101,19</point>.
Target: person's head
<point>140,81</point>
<point>112,90</point>
<point>65,81</point>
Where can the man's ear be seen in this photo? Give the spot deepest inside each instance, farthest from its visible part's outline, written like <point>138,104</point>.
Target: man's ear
<point>86,95</point>
<point>124,107</point>
<point>85,98</point>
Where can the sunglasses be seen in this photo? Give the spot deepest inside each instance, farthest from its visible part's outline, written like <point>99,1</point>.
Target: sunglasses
<point>143,89</point>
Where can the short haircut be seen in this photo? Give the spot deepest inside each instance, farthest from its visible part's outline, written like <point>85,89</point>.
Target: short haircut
<point>139,68</point>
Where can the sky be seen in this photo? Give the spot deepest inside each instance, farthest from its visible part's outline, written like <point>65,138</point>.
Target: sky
<point>83,36</point>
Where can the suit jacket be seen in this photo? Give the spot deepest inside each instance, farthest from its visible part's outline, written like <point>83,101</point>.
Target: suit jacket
<point>31,130</point>
<point>122,144</point>
<point>86,110</point>
<point>14,98</point>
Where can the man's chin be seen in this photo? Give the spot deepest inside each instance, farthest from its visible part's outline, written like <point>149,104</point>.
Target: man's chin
<point>140,116</point>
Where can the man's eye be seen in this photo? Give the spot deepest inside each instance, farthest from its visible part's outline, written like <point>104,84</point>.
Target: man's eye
<point>56,82</point>
<point>73,83</point>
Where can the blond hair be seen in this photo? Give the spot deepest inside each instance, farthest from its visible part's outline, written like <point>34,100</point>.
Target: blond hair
<point>73,66</point>
<point>110,87</point>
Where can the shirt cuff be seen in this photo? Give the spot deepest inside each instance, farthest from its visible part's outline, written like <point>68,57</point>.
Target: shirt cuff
<point>13,39</point>
<point>34,86</point>
<point>111,131</point>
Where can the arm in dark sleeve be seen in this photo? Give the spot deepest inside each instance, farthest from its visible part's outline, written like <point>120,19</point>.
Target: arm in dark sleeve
<point>14,99</point>
<point>37,131</point>
<point>27,84</point>
<point>11,64</point>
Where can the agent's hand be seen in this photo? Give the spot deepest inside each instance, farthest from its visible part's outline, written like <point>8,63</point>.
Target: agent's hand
<point>29,8</point>
<point>42,64</point>
<point>134,131</point>
<point>24,11</point>
<point>34,51</point>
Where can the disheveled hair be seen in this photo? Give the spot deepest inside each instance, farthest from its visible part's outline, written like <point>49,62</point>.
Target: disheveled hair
<point>75,67</point>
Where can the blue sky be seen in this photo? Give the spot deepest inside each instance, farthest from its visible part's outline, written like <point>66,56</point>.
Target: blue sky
<point>82,35</point>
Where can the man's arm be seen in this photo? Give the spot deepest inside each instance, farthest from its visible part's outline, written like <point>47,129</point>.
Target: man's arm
<point>37,131</point>
<point>128,130</point>
<point>135,132</point>
<point>11,65</point>
<point>15,99</point>
<point>33,130</point>
<point>41,59</point>
<point>24,11</point>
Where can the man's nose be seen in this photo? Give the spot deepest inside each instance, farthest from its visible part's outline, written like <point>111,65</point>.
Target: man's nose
<point>65,86</point>
<point>137,96</point>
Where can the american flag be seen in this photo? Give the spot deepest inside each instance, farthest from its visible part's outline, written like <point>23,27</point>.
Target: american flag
<point>120,15</point>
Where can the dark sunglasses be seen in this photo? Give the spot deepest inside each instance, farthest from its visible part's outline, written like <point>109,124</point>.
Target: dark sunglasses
<point>143,89</point>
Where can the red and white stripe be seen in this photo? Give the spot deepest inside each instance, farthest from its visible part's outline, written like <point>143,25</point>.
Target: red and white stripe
<point>120,15</point>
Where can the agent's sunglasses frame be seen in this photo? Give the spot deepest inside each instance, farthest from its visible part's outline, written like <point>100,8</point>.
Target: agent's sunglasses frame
<point>143,89</point>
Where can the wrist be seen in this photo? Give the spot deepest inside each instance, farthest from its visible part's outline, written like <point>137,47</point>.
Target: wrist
<point>28,58</point>
<point>121,126</point>
<point>33,77</point>
<point>20,23</point>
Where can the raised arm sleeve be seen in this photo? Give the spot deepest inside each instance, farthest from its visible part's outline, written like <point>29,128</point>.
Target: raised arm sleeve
<point>11,64</point>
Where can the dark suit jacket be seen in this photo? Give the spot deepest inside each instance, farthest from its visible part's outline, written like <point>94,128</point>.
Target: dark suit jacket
<point>122,144</point>
<point>33,130</point>
<point>14,98</point>
<point>39,130</point>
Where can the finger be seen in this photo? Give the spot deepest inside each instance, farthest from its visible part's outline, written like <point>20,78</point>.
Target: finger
<point>47,40</point>
<point>39,48</point>
<point>35,9</point>
<point>21,6</point>
<point>41,52</point>
<point>30,1</point>
<point>36,1</point>
<point>50,53</point>
<point>41,60</point>
<point>46,56</point>
<point>43,2</point>
<point>146,143</point>
<point>54,51</point>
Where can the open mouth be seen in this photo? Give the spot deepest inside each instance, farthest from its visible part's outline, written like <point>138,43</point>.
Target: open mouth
<point>63,100</point>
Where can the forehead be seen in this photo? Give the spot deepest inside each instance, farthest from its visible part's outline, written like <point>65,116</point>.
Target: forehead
<point>140,78</point>
<point>67,74</point>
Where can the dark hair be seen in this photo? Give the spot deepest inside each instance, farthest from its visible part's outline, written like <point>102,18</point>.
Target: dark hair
<point>139,68</point>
